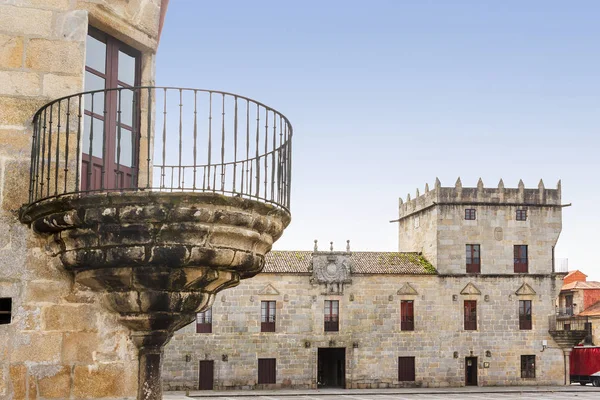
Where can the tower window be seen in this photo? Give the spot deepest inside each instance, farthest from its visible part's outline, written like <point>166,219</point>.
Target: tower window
<point>470,214</point>
<point>522,215</point>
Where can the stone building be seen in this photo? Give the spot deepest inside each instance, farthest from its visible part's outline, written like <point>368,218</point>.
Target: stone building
<point>579,302</point>
<point>116,259</point>
<point>468,300</point>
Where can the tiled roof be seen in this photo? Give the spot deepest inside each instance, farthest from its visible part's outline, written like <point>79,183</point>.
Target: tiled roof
<point>363,262</point>
<point>592,311</point>
<point>581,285</point>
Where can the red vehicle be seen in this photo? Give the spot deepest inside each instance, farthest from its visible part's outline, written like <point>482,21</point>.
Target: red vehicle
<point>585,365</point>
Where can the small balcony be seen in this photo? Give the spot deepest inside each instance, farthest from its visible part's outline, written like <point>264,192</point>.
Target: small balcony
<point>158,198</point>
<point>568,331</point>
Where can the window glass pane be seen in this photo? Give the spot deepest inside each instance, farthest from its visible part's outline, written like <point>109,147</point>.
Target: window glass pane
<point>98,135</point>
<point>125,156</point>
<point>126,69</point>
<point>94,82</point>
<point>95,54</point>
<point>476,251</point>
<point>126,104</point>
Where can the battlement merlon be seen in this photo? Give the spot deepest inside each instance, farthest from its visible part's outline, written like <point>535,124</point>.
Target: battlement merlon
<point>480,195</point>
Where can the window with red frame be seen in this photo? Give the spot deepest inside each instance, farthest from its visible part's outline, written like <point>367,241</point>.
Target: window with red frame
<point>521,261</point>
<point>470,315</point>
<point>473,258</point>
<point>525,315</point>
<point>407,315</point>
<point>204,321</point>
<point>332,317</point>
<point>470,214</point>
<point>267,316</point>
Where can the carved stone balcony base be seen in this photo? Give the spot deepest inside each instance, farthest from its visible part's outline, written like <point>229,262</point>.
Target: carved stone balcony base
<point>157,258</point>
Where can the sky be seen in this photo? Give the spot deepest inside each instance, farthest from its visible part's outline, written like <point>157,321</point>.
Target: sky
<point>386,95</point>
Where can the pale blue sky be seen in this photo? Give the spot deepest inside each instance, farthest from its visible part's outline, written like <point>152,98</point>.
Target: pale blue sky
<point>385,95</point>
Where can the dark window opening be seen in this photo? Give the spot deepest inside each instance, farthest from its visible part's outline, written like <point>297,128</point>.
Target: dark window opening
<point>406,369</point>
<point>473,257</point>
<point>407,315</point>
<point>5,310</point>
<point>470,315</point>
<point>204,321</point>
<point>521,262</point>
<point>528,366</point>
<point>267,316</point>
<point>332,317</point>
<point>522,215</point>
<point>470,214</point>
<point>267,370</point>
<point>525,314</point>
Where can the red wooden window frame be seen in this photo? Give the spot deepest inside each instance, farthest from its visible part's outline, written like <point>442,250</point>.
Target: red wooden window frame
<point>267,370</point>
<point>407,315</point>
<point>521,215</point>
<point>204,321</point>
<point>470,214</point>
<point>406,369</point>
<point>473,258</point>
<point>470,315</point>
<point>114,176</point>
<point>267,316</point>
<point>332,316</point>
<point>525,315</point>
<point>521,259</point>
<point>528,366</point>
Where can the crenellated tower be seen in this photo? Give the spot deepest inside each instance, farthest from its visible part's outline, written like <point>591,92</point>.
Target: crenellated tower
<point>495,230</point>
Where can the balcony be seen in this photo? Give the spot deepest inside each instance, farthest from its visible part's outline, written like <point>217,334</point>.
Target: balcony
<point>158,198</point>
<point>568,331</point>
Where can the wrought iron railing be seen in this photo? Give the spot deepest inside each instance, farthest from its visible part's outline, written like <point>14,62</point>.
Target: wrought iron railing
<point>161,139</point>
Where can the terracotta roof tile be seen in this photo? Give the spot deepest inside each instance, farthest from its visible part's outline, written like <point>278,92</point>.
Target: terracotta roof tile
<point>363,262</point>
<point>591,311</point>
<point>581,285</point>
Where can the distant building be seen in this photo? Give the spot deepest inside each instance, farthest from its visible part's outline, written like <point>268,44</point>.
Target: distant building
<point>468,300</point>
<point>579,300</point>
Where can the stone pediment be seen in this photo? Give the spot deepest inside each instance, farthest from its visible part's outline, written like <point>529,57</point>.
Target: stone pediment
<point>524,290</point>
<point>470,289</point>
<point>407,289</point>
<point>268,290</point>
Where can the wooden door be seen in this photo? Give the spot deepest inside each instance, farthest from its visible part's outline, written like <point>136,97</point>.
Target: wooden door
<point>471,371</point>
<point>206,379</point>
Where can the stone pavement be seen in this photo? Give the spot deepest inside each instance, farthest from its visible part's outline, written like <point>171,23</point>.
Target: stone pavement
<point>469,392</point>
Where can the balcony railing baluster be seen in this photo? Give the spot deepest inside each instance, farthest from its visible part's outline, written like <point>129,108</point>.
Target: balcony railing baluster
<point>105,154</point>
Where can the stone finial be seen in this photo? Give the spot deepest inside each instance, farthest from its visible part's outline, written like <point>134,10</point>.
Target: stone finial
<point>480,184</point>
<point>348,246</point>
<point>427,188</point>
<point>408,197</point>
<point>400,201</point>
<point>458,184</point>
<point>330,246</point>
<point>501,184</point>
<point>316,246</point>
<point>558,186</point>
<point>417,193</point>
<point>438,184</point>
<point>521,185</point>
<point>541,185</point>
